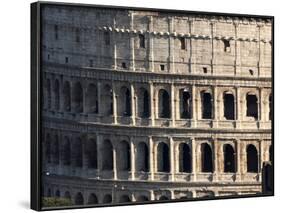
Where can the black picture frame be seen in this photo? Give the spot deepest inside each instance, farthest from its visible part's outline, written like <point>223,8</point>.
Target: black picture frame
<point>36,102</point>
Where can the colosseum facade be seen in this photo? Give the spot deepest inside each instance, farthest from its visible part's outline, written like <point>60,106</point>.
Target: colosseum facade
<point>152,105</point>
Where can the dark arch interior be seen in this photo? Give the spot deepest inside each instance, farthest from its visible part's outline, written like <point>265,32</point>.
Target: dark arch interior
<point>163,197</point>
<point>252,159</point>
<point>55,150</point>
<point>229,159</point>
<point>66,97</point>
<point>58,193</point>
<point>92,99</point>
<point>145,105</point>
<point>228,101</point>
<point>207,158</point>
<point>186,105</point>
<point>57,94</point>
<point>163,157</point>
<point>91,154</point>
<point>107,155</point>
<point>77,153</point>
<point>79,200</point>
<point>77,97</point>
<point>48,148</point>
<point>66,158</point>
<point>126,94</point>
<point>252,106</point>
<point>92,199</point>
<point>124,199</point>
<point>125,156</point>
<point>143,156</point>
<point>67,195</point>
<point>107,199</point>
<point>49,97</point>
<point>164,104</point>
<point>184,158</point>
<point>206,105</point>
<point>142,198</point>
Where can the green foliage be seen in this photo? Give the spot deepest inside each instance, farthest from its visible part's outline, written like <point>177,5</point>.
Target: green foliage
<point>55,201</point>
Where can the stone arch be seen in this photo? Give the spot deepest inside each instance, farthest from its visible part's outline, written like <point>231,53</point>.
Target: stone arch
<point>184,158</point>
<point>92,99</point>
<point>252,159</point>
<point>206,158</point>
<point>163,157</point>
<point>252,105</point>
<point>57,194</point>
<point>143,103</point>
<point>142,198</point>
<point>107,198</point>
<point>77,94</point>
<point>93,199</point>
<point>142,154</point>
<point>229,106</point>
<point>77,151</point>
<point>57,94</point>
<point>229,158</point>
<point>185,104</point>
<point>49,96</point>
<point>107,155</point>
<point>55,150</point>
<point>79,199</point>
<point>164,110</point>
<point>124,199</point>
<point>91,153</point>
<point>66,152</point>
<point>124,156</point>
<point>66,96</point>
<point>48,148</point>
<point>107,100</point>
<point>125,102</point>
<point>206,105</point>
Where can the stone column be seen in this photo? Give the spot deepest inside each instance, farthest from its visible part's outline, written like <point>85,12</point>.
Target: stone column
<point>152,196</point>
<point>114,46</point>
<point>216,106</point>
<point>133,105</point>
<point>238,108</point>
<point>190,47</point>
<point>176,158</point>
<point>114,163</point>
<point>212,47</point>
<point>150,45</point>
<point>243,159</point>
<point>173,105</point>
<point>151,158</point>
<point>194,106</point>
<point>261,155</point>
<point>99,98</point>
<point>114,99</point>
<point>193,157</point>
<point>172,159</point>
<point>152,109</point>
<point>215,159</point>
<point>172,194</point>
<point>238,159</point>
<point>133,161</point>
<point>99,154</point>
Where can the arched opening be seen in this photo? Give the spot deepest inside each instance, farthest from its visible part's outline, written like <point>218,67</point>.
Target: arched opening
<point>79,200</point>
<point>252,106</point>
<point>164,104</point>
<point>270,108</point>
<point>142,156</point>
<point>57,94</point>
<point>252,159</point>
<point>207,158</point>
<point>143,103</point>
<point>185,103</point>
<point>228,103</point>
<point>66,158</point>
<point>142,198</point>
<point>107,155</point>
<point>229,158</point>
<point>93,199</point>
<point>124,156</point>
<point>107,98</point>
<point>77,98</point>
<point>107,199</point>
<point>271,153</point>
<point>92,99</point>
<point>48,149</point>
<point>163,197</point>
<point>57,193</point>
<point>124,199</point>
<point>163,157</point>
<point>67,195</point>
<point>66,97</point>
<point>91,153</point>
<point>184,158</point>
<point>125,102</point>
<point>207,107</point>
<point>56,150</point>
<point>77,153</point>
<point>49,97</point>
